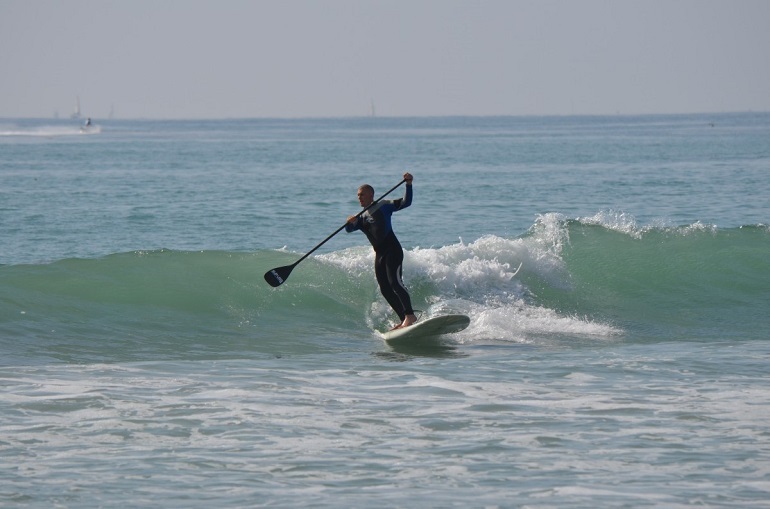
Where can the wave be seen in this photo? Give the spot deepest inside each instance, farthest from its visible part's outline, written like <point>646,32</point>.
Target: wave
<point>599,278</point>
<point>679,282</point>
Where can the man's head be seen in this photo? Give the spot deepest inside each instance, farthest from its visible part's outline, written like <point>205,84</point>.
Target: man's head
<point>365,195</point>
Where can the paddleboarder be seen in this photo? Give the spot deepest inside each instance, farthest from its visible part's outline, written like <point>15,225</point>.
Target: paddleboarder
<point>388,255</point>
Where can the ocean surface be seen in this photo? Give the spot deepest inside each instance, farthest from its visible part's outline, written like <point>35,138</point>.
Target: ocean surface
<point>144,361</point>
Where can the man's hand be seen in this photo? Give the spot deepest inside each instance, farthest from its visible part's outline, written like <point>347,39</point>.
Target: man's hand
<point>408,177</point>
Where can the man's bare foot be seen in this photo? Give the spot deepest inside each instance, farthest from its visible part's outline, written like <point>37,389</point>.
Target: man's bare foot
<point>408,320</point>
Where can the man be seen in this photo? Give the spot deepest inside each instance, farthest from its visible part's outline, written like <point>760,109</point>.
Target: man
<point>388,254</point>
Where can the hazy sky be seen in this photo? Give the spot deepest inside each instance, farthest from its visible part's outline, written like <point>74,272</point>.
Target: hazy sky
<point>328,58</point>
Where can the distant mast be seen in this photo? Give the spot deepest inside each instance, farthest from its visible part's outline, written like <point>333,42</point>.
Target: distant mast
<point>76,113</point>
<point>372,113</point>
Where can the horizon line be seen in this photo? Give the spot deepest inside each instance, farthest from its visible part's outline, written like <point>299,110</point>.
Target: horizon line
<point>369,117</point>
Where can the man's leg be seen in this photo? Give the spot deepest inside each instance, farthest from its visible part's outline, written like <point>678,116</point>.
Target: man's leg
<point>381,272</point>
<point>394,263</point>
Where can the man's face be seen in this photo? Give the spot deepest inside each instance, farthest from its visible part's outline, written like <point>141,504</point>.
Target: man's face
<point>365,197</point>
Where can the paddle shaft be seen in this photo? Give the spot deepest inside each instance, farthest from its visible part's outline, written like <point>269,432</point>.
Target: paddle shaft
<point>287,270</point>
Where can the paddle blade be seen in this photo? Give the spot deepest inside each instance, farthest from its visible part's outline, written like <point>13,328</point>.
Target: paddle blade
<point>278,275</point>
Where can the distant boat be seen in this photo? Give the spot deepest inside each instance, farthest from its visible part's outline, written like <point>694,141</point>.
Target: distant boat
<point>372,112</point>
<point>87,126</point>
<point>76,114</point>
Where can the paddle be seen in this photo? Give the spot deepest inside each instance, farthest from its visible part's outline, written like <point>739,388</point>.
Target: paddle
<point>277,276</point>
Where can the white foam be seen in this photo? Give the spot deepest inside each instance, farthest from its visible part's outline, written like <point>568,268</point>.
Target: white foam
<point>522,323</point>
<point>614,220</point>
<point>623,222</point>
<point>470,269</point>
<point>49,131</point>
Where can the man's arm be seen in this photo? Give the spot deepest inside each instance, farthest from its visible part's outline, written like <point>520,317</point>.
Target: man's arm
<point>407,199</point>
<point>352,224</point>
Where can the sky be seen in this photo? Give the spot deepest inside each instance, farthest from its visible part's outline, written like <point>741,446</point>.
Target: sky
<point>342,58</point>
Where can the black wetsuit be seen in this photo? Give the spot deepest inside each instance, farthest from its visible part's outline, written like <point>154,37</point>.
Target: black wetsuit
<point>388,254</point>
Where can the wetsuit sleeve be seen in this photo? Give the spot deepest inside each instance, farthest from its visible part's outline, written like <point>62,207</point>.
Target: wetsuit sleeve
<point>354,226</point>
<point>404,202</point>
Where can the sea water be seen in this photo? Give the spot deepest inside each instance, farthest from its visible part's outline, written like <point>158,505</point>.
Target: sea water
<point>146,363</point>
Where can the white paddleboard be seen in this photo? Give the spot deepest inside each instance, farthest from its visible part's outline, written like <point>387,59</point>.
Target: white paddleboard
<point>432,327</point>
